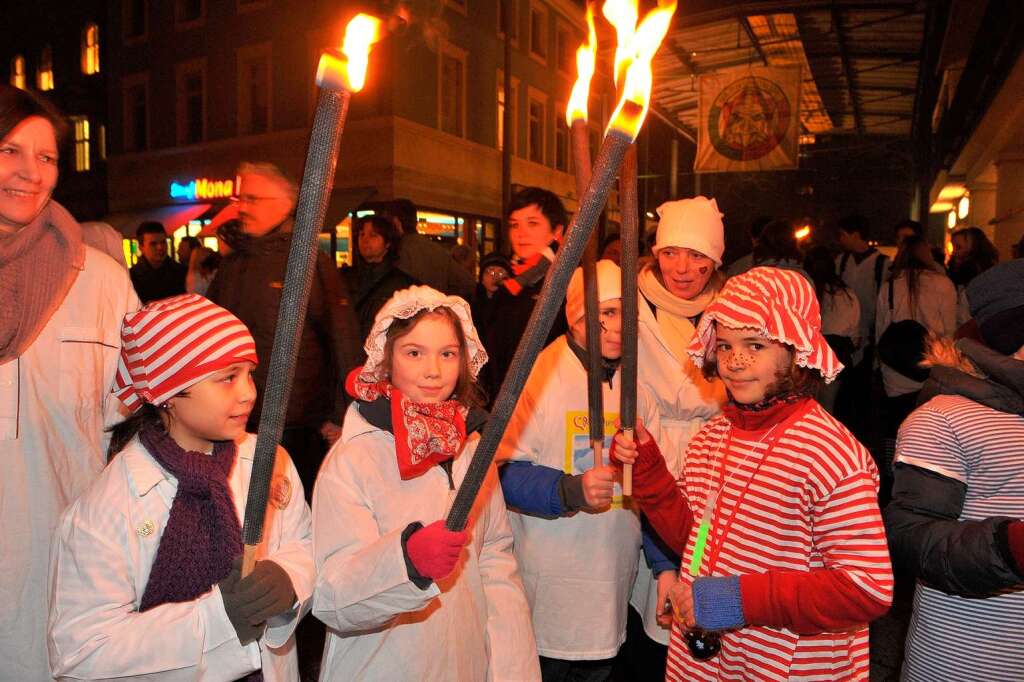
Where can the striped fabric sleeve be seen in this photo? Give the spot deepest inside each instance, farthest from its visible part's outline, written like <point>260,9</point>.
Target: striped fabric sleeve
<point>927,440</point>
<point>853,588</point>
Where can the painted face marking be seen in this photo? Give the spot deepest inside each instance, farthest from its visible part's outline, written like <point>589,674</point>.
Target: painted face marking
<point>704,269</point>
<point>740,360</point>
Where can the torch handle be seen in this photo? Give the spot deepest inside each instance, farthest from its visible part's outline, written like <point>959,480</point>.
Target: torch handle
<point>627,469</point>
<point>310,210</point>
<point>248,559</point>
<point>544,312</point>
<point>630,314</point>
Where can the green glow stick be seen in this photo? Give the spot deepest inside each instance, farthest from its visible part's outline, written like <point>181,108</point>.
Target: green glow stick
<point>699,547</point>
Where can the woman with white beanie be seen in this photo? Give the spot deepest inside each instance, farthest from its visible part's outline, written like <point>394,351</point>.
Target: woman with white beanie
<point>675,288</point>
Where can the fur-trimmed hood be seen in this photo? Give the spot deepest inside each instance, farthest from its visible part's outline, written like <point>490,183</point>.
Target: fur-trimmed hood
<point>974,371</point>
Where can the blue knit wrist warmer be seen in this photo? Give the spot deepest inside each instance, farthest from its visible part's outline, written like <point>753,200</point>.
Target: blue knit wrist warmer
<point>717,604</point>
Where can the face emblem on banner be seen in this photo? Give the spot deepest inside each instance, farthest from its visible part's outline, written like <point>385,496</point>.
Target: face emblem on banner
<point>749,119</point>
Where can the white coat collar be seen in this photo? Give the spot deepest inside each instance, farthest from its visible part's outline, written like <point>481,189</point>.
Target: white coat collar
<point>355,424</point>
<point>146,473</point>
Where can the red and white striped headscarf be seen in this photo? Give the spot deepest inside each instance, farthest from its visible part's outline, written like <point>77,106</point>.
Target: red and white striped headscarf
<point>174,343</point>
<point>781,305</point>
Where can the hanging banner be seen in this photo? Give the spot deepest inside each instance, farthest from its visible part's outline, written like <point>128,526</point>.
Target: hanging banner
<point>749,120</point>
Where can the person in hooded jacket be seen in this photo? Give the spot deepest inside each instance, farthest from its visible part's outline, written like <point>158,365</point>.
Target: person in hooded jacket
<point>955,520</point>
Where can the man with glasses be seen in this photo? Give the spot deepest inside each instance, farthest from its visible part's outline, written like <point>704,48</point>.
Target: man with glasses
<point>249,283</point>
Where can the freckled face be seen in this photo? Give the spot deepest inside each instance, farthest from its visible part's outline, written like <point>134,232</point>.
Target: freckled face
<point>749,363</point>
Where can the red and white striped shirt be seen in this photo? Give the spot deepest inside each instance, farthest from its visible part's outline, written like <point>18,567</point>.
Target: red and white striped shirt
<point>804,534</point>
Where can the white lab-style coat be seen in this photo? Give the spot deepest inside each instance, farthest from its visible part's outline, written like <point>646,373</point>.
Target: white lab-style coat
<point>101,559</point>
<point>54,403</point>
<point>578,570</point>
<point>685,401</point>
<point>472,625</point>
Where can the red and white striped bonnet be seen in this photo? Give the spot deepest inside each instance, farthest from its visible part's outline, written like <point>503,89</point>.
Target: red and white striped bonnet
<point>779,304</point>
<point>174,343</point>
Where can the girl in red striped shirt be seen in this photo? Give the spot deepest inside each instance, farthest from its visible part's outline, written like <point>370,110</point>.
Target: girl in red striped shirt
<point>775,514</point>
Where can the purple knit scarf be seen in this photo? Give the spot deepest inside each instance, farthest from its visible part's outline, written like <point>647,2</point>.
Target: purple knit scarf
<point>203,536</point>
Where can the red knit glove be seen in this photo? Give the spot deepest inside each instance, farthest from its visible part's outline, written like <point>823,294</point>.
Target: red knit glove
<point>1015,535</point>
<point>434,550</point>
<point>655,489</point>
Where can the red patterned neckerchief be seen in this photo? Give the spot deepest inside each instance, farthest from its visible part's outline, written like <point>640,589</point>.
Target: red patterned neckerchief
<point>425,433</point>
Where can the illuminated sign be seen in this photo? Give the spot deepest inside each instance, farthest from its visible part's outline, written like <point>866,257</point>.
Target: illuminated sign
<point>203,188</point>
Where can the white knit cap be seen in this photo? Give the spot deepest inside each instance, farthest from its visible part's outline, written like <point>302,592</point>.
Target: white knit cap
<point>609,287</point>
<point>692,224</point>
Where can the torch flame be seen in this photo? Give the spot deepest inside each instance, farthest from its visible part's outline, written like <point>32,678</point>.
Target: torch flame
<point>360,34</point>
<point>586,58</point>
<point>802,233</point>
<point>629,115</point>
<point>622,15</point>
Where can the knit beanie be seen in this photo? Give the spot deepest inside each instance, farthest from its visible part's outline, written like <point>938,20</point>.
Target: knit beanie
<point>996,300</point>
<point>692,224</point>
<point>174,343</point>
<point>609,287</point>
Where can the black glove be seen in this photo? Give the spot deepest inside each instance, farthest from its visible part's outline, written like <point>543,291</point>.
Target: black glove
<point>265,593</point>
<point>233,605</point>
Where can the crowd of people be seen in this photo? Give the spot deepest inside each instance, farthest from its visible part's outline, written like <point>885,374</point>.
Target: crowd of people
<point>809,424</point>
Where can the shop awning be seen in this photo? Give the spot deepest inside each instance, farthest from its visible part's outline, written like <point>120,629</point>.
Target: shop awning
<point>172,217</point>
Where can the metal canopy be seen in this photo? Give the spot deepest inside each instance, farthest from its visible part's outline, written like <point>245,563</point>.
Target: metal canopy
<point>860,60</point>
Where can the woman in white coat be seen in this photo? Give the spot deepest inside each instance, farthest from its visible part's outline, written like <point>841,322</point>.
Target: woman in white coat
<point>61,305</point>
<point>675,288</point>
<point>403,600</point>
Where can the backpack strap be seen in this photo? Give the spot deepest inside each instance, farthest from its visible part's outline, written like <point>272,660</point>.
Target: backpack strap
<point>880,260</point>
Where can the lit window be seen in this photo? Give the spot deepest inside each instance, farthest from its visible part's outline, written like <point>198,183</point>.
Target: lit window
<point>81,124</point>
<point>18,71</point>
<point>91,49</point>
<point>44,76</point>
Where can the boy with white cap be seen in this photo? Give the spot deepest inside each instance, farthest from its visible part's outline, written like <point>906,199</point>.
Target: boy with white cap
<point>577,547</point>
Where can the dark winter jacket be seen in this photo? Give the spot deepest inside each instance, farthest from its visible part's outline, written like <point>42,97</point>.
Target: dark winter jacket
<point>509,315</point>
<point>249,283</point>
<point>926,537</point>
<point>372,285</point>
<point>152,283</point>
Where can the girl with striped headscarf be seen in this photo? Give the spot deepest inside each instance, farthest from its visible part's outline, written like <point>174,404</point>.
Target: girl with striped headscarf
<point>775,512</point>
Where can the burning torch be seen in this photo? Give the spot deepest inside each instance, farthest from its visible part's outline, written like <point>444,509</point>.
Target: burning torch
<point>576,115</point>
<point>623,128</point>
<point>636,47</point>
<point>340,73</point>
